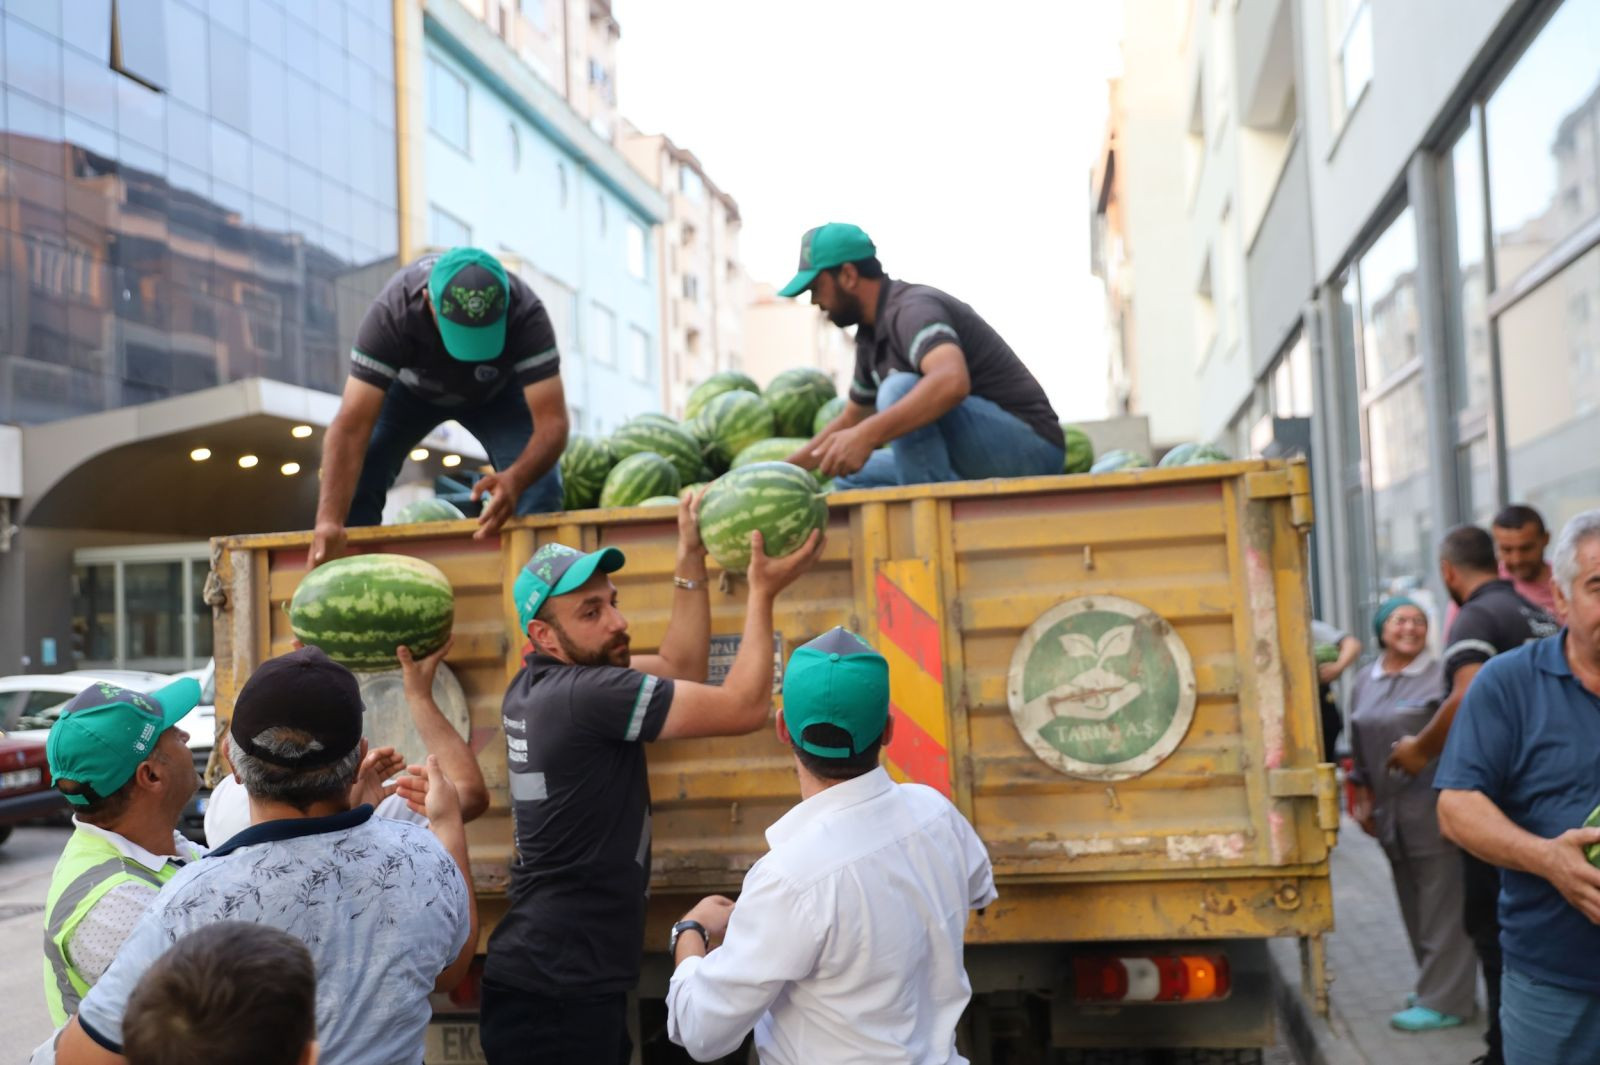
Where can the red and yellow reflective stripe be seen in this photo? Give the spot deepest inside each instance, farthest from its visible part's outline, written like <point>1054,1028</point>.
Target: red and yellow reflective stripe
<point>911,641</point>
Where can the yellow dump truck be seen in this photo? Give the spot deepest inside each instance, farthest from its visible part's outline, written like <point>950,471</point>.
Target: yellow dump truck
<point>1111,676</point>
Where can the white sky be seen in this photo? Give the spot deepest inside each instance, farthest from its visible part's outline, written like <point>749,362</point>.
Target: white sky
<point>962,144</point>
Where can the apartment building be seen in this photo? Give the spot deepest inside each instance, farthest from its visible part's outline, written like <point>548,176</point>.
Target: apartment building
<point>704,286</point>
<point>781,334</point>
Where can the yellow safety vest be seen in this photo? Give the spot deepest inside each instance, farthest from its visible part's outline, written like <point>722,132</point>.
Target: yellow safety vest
<point>89,867</point>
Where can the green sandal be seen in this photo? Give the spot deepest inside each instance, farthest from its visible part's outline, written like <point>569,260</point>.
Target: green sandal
<point>1422,1019</point>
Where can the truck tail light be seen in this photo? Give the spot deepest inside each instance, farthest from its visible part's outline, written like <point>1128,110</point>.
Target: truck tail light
<point>1151,978</point>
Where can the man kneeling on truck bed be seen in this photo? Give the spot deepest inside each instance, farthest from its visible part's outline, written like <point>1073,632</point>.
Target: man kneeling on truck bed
<point>846,944</point>
<point>933,381</point>
<point>565,955</point>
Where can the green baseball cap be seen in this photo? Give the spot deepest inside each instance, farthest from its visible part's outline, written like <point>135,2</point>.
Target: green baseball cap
<point>556,569</point>
<point>471,295</point>
<point>836,679</point>
<point>825,247</point>
<point>105,732</point>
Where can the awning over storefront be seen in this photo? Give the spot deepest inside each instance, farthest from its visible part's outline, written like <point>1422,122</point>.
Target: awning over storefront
<point>182,467</point>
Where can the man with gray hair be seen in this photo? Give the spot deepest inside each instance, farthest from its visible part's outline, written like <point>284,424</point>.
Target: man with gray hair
<point>1519,777</point>
<point>385,907</point>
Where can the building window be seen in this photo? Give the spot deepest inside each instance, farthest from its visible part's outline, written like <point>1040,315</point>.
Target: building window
<point>533,11</point>
<point>691,184</point>
<point>602,335</point>
<point>575,417</point>
<point>514,146</point>
<point>639,361</point>
<point>691,288</point>
<point>448,105</point>
<point>139,41</point>
<point>1228,279</point>
<point>637,267</point>
<point>1350,33</point>
<point>445,230</point>
<point>1205,315</point>
<point>600,212</point>
<point>561,184</point>
<point>141,608</point>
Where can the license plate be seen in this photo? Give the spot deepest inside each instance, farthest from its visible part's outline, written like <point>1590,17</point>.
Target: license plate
<point>452,1043</point>
<point>21,778</point>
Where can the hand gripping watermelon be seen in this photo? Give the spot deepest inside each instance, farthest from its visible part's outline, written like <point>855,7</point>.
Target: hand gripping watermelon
<point>637,478</point>
<point>795,396</point>
<point>1119,459</point>
<point>779,499</point>
<point>358,609</point>
<point>419,510</point>
<point>667,440</point>
<point>714,386</point>
<point>1080,452</point>
<point>584,467</point>
<point>827,413</point>
<point>729,423</point>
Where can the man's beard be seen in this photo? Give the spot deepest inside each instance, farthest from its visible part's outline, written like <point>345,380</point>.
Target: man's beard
<point>848,312</point>
<point>613,653</point>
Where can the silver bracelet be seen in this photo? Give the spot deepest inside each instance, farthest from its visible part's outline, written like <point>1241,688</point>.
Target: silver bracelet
<point>686,584</point>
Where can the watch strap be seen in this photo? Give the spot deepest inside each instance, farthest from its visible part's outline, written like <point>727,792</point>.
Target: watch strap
<point>688,926</point>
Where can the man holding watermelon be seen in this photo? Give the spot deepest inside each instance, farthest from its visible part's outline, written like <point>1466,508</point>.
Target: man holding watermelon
<point>934,383</point>
<point>450,337</point>
<point>561,962</point>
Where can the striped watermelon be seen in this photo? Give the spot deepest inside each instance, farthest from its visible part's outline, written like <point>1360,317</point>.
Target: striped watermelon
<point>689,489</point>
<point>1080,451</point>
<point>1193,455</point>
<point>433,509</point>
<point>669,441</point>
<point>358,609</point>
<point>781,500</point>
<point>1119,459</point>
<point>714,386</point>
<point>653,419</point>
<point>584,467</point>
<point>795,396</point>
<point>637,478</point>
<point>660,501</point>
<point>729,423</point>
<point>827,413</point>
<point>778,449</point>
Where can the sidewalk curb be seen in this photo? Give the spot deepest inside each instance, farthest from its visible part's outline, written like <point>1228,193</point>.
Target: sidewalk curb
<point>1315,1040</point>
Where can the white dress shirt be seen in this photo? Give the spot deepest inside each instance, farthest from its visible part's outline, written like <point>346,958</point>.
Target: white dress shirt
<point>846,941</point>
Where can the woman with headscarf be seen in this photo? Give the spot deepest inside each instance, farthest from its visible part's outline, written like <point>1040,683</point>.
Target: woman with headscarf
<point>1393,698</point>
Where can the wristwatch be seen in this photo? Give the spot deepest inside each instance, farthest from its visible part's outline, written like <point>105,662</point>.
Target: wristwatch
<point>687,926</point>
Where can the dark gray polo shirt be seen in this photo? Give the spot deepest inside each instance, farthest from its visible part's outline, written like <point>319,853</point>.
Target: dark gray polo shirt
<point>912,320</point>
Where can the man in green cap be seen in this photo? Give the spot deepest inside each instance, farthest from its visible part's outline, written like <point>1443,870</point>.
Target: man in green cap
<point>934,383</point>
<point>846,941</point>
<point>563,959</point>
<point>450,337</point>
<point>125,767</point>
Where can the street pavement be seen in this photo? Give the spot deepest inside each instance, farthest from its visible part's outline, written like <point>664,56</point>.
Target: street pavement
<point>1373,969</point>
<point>26,860</point>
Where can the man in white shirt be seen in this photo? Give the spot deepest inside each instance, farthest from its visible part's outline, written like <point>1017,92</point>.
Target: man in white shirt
<point>846,942</point>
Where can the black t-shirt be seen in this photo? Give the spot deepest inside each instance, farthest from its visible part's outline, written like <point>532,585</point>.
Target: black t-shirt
<point>398,341</point>
<point>912,320</point>
<point>580,800</point>
<point>1493,620</point>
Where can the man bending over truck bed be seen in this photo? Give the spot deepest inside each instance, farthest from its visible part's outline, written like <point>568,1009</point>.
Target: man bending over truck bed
<point>565,955</point>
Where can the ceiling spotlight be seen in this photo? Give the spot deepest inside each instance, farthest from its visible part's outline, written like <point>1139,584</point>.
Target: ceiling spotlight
<point>289,469</point>
<point>451,460</point>
<point>300,432</point>
<point>248,462</point>
<point>419,454</point>
<point>200,454</point>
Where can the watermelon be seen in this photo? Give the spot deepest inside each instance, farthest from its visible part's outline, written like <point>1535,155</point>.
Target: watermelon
<point>433,509</point>
<point>660,501</point>
<point>781,500</point>
<point>1193,455</point>
<point>653,419</point>
<point>637,478</point>
<point>827,413</point>
<point>729,423</point>
<point>689,489</point>
<point>795,396</point>
<point>1323,653</point>
<point>1080,452</point>
<point>669,441</point>
<point>714,386</point>
<point>358,609</point>
<point>777,449</point>
<point>584,466</point>
<point>1119,459</point>
<point>1592,851</point>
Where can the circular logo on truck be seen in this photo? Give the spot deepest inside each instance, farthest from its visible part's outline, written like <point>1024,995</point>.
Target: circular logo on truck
<point>1101,687</point>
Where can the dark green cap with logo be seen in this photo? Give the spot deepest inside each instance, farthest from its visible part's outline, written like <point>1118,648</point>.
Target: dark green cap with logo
<point>836,679</point>
<point>825,247</point>
<point>471,295</point>
<point>106,731</point>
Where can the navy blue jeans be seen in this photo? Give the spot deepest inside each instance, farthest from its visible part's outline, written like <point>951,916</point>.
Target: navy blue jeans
<point>1548,1025</point>
<point>502,425</point>
<point>973,441</point>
